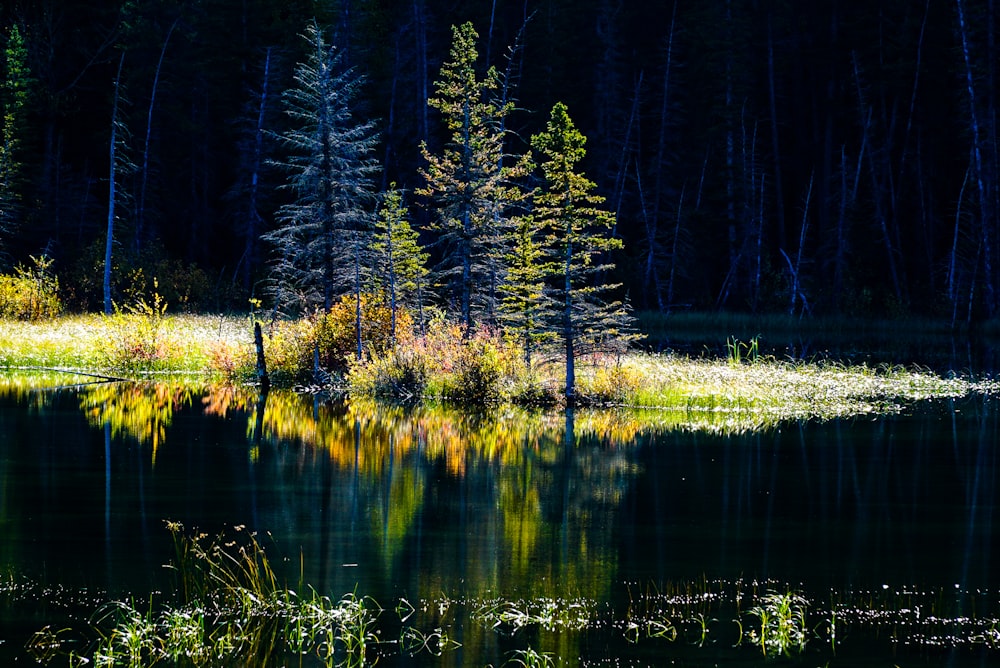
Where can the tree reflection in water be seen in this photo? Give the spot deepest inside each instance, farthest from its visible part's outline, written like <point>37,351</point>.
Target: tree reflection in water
<point>437,504</point>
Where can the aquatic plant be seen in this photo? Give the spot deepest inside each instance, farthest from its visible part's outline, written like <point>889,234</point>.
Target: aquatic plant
<point>530,658</point>
<point>782,627</point>
<point>738,351</point>
<point>286,628</point>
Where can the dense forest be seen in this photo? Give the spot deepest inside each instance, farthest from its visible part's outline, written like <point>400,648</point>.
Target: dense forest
<point>766,156</point>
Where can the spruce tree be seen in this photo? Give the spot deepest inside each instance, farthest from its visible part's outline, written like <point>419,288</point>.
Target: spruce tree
<point>579,239</point>
<point>14,93</point>
<point>328,225</point>
<point>468,182</point>
<point>526,305</point>
<point>400,264</point>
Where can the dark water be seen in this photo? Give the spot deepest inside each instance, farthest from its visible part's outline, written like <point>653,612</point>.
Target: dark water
<point>445,509</point>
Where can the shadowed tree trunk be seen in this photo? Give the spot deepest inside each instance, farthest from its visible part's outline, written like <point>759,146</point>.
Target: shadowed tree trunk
<point>112,191</point>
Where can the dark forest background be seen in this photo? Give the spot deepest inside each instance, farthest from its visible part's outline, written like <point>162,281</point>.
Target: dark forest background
<point>782,156</point>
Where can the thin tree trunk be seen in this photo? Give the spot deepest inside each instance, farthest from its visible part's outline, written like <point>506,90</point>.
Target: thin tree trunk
<point>253,217</point>
<point>778,182</point>
<point>953,258</point>
<point>619,192</point>
<point>262,378</point>
<point>673,252</point>
<point>357,293</point>
<point>913,93</point>
<point>568,333</point>
<point>112,194</point>
<point>978,162</point>
<point>140,213</point>
<point>420,29</point>
<point>876,186</point>
<point>840,255</point>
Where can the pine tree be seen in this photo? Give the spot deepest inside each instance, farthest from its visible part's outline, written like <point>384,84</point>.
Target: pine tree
<point>579,239</point>
<point>400,262</point>
<point>469,182</point>
<point>526,306</point>
<point>331,170</point>
<point>14,94</point>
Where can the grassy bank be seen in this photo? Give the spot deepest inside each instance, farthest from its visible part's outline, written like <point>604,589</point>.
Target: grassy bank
<point>485,368</point>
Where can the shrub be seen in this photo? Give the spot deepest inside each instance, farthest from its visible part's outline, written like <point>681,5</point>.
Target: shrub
<point>611,384</point>
<point>398,374</point>
<point>288,350</point>
<point>30,293</point>
<point>139,337</point>
<point>480,372</point>
<point>336,338</point>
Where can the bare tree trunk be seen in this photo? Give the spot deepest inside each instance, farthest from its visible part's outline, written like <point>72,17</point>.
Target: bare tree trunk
<point>778,183</point>
<point>659,169</point>
<point>625,158</point>
<point>913,94</point>
<point>262,377</point>
<point>140,212</point>
<point>796,268</point>
<point>984,218</point>
<point>953,257</point>
<point>112,194</point>
<point>356,238</point>
<point>420,29</point>
<point>876,185</point>
<point>253,215</point>
<point>673,252</point>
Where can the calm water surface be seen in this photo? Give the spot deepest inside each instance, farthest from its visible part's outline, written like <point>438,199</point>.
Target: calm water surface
<point>446,509</point>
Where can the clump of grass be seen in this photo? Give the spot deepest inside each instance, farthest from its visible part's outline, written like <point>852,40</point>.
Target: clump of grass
<point>232,610</point>
<point>782,627</point>
<point>531,658</point>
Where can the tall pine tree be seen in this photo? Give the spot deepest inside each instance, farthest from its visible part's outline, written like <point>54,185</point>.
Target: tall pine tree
<point>469,182</point>
<point>579,238</point>
<point>328,225</point>
<point>14,92</point>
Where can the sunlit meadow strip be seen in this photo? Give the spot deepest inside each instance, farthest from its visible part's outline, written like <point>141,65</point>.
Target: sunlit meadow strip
<point>121,342</point>
<point>726,395</point>
<point>767,389</point>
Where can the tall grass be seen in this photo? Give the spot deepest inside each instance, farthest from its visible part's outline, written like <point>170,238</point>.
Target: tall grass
<point>126,342</point>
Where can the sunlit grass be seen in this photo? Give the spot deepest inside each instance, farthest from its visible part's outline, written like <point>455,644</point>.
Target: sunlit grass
<point>769,388</point>
<point>740,392</point>
<point>96,343</point>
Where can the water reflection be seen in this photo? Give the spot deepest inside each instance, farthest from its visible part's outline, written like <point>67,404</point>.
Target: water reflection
<point>430,501</point>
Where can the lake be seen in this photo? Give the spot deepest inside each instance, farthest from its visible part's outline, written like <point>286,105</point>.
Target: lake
<point>598,538</point>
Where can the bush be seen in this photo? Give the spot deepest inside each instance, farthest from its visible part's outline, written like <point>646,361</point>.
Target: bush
<point>442,363</point>
<point>480,373</point>
<point>139,337</point>
<point>30,293</point>
<point>336,337</point>
<point>398,374</point>
<point>611,384</point>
